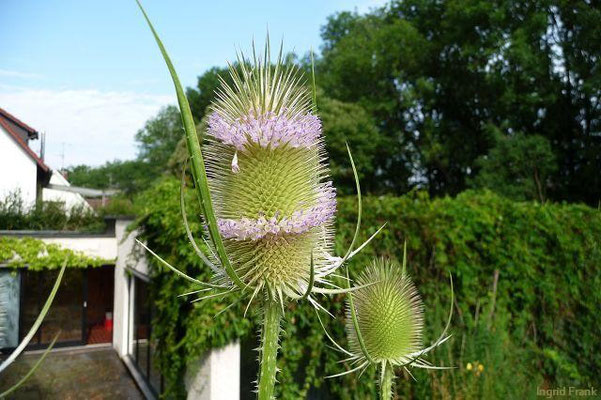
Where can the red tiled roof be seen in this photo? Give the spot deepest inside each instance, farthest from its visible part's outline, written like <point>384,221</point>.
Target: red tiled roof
<point>5,115</point>
<point>17,121</point>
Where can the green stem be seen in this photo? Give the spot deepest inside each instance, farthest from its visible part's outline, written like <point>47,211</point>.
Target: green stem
<point>386,377</point>
<point>269,350</point>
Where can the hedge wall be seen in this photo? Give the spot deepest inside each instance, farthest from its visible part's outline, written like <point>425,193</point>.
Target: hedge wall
<point>527,283</point>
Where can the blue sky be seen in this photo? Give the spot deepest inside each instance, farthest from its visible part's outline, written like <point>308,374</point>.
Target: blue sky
<point>89,74</point>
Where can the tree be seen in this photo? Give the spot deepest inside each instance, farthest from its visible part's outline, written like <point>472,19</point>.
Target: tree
<point>130,176</point>
<point>349,123</point>
<point>517,166</point>
<point>435,74</point>
<point>204,93</point>
<point>158,138</point>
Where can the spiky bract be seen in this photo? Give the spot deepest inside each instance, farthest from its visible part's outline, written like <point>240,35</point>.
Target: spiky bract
<point>389,314</point>
<point>268,178</point>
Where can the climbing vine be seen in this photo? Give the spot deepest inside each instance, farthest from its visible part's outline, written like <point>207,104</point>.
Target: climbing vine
<point>37,255</point>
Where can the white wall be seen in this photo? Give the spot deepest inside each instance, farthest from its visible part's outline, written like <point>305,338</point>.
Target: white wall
<point>69,198</point>
<point>17,170</point>
<point>104,247</point>
<point>216,376</point>
<point>128,256</point>
<point>213,377</point>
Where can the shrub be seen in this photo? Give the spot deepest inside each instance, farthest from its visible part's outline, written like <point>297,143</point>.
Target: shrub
<point>49,215</point>
<point>526,281</point>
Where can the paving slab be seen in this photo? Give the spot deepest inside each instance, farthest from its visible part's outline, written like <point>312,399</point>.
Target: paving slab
<point>87,373</point>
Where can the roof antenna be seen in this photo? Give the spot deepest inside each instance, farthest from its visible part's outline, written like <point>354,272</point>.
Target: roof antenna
<point>63,157</point>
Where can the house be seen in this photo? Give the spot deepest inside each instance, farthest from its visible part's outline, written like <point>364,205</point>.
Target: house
<point>60,190</point>
<point>29,176</point>
<point>102,306</point>
<point>28,172</point>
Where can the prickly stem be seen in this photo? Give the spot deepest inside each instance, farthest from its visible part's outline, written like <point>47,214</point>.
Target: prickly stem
<point>386,378</point>
<point>269,349</point>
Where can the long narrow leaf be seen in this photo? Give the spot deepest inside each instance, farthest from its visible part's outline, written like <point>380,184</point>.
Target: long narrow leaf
<point>182,204</point>
<point>198,166</point>
<point>37,322</point>
<point>177,271</point>
<point>359,206</point>
<point>313,85</point>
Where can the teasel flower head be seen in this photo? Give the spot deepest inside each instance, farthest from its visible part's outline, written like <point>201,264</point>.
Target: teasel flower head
<point>265,195</point>
<point>263,182</point>
<point>390,314</point>
<point>385,323</point>
<point>268,178</point>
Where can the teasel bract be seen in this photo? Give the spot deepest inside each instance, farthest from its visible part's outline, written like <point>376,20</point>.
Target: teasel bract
<point>385,321</point>
<point>267,202</point>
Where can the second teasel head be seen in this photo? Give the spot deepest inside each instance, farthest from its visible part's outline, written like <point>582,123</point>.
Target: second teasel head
<point>389,313</point>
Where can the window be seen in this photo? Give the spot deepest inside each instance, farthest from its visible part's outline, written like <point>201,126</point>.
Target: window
<point>66,314</point>
<point>143,347</point>
<point>82,310</point>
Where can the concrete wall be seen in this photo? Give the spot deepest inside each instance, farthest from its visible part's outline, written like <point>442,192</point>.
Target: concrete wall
<point>98,246</point>
<point>216,376</point>
<point>129,256</point>
<point>18,172</point>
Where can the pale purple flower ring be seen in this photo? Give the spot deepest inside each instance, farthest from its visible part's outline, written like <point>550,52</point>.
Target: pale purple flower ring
<point>273,130</point>
<point>299,222</point>
<point>268,129</point>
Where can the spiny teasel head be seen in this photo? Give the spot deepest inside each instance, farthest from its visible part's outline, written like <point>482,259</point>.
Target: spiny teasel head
<point>389,313</point>
<point>385,322</point>
<point>264,192</point>
<point>268,178</point>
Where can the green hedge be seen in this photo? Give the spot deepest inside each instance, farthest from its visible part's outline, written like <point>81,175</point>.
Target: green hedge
<point>538,328</point>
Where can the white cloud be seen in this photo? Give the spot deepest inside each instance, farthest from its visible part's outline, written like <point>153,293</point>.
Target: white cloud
<point>18,74</point>
<point>93,126</point>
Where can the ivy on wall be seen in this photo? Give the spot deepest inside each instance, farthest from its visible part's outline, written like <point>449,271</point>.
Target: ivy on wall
<point>37,255</point>
<point>527,292</point>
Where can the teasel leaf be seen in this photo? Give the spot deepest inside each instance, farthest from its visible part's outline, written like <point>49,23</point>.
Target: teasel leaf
<point>198,168</point>
<point>359,206</point>
<point>311,279</point>
<point>313,84</point>
<point>191,239</point>
<point>350,253</point>
<point>177,271</point>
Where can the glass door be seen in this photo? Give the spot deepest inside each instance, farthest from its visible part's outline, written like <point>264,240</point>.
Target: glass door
<point>99,310</point>
<point>144,346</point>
<point>66,316</point>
